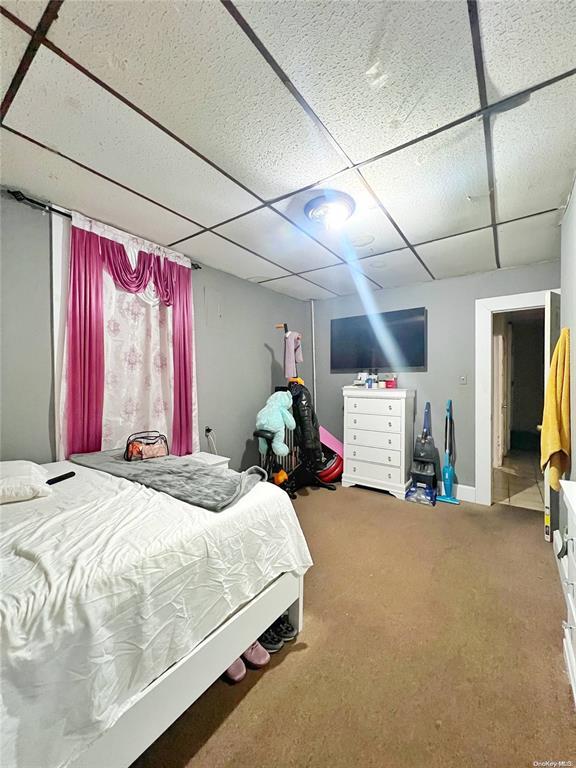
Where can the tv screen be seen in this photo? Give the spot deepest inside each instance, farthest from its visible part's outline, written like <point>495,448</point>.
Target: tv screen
<point>390,341</point>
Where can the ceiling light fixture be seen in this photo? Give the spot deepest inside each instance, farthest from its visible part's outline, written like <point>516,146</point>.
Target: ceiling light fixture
<point>331,209</point>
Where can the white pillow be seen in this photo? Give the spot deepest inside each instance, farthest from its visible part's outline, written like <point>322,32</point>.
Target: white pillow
<point>21,481</point>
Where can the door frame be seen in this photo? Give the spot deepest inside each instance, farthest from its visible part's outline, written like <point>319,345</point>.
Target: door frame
<point>485,308</point>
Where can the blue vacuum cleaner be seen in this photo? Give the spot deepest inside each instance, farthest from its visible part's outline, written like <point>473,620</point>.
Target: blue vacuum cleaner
<point>448,468</point>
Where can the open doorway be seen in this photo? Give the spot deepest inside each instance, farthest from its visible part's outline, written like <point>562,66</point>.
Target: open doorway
<point>517,402</point>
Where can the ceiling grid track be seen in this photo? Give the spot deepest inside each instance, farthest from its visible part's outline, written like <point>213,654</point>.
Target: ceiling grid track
<point>255,40</point>
<point>275,264</point>
<point>427,242</point>
<point>42,40</point>
<point>100,175</point>
<point>486,124</point>
<point>39,37</point>
<point>49,15</point>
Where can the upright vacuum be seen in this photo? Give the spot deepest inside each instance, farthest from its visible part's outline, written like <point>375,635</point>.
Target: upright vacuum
<point>423,470</point>
<point>448,468</point>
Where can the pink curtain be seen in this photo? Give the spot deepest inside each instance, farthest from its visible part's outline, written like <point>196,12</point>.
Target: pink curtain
<point>89,255</point>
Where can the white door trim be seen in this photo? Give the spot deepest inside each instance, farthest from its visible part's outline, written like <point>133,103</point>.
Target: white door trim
<point>485,308</point>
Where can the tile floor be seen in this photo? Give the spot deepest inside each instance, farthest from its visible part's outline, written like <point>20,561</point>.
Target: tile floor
<point>519,481</point>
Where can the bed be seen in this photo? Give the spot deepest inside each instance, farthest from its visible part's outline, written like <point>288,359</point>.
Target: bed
<point>120,605</point>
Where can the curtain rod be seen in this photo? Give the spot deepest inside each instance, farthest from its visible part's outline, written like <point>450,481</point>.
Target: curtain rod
<point>22,198</point>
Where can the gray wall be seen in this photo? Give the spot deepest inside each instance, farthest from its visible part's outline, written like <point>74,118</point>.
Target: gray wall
<point>26,402</point>
<point>451,348</point>
<point>239,356</point>
<point>569,304</point>
<point>238,351</point>
<point>528,374</point>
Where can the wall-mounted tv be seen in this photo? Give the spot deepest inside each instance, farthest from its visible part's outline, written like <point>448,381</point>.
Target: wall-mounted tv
<point>389,341</point>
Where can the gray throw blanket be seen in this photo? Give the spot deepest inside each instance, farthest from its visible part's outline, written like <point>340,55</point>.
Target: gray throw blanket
<point>185,478</point>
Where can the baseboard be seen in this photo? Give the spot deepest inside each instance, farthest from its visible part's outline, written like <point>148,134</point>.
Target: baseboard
<point>463,492</point>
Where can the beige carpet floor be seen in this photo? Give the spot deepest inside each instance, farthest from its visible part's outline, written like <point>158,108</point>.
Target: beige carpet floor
<point>432,638</point>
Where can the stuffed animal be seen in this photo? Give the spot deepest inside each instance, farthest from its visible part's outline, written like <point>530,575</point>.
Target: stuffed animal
<point>274,417</point>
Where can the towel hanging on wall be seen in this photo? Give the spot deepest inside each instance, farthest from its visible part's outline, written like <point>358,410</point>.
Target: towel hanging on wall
<point>555,437</point>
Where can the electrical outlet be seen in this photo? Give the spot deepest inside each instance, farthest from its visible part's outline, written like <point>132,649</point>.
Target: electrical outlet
<point>207,431</point>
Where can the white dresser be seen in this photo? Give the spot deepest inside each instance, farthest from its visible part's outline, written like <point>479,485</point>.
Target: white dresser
<point>567,569</point>
<point>378,438</point>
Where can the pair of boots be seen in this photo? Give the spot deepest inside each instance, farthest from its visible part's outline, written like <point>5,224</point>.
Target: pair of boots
<point>255,656</point>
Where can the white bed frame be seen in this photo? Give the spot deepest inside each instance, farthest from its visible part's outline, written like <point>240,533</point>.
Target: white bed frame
<point>173,692</point>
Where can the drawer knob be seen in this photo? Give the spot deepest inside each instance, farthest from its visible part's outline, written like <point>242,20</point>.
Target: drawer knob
<point>389,458</point>
<point>355,421</point>
<point>355,405</point>
<point>354,437</point>
<point>353,453</point>
<point>353,469</point>
<point>389,441</point>
<point>389,407</point>
<point>389,423</point>
<point>389,475</point>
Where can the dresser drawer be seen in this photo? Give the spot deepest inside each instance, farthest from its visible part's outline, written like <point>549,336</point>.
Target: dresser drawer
<point>378,455</point>
<point>570,658</point>
<point>376,405</point>
<point>363,470</point>
<point>571,558</point>
<point>373,439</point>
<point>375,423</point>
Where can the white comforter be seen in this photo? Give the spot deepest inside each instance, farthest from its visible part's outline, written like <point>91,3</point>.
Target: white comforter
<point>104,585</point>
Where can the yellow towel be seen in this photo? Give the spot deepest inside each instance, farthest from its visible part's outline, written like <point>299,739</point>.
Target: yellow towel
<point>555,437</point>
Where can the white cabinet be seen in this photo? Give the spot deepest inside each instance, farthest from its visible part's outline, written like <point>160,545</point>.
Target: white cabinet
<point>378,438</point>
<point>567,570</point>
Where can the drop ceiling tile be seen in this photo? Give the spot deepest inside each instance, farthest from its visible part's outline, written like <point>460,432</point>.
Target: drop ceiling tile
<point>65,110</point>
<point>207,83</point>
<point>391,270</point>
<point>525,42</point>
<point>43,174</point>
<point>528,241</point>
<point>535,152</point>
<point>377,72</point>
<point>366,231</point>
<point>460,255</point>
<point>220,254</point>
<point>14,43</point>
<point>298,288</point>
<point>270,235</point>
<point>342,279</point>
<point>28,11</point>
<point>437,187</point>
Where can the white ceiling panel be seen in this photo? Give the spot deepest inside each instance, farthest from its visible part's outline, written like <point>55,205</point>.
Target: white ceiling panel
<point>460,255</point>
<point>367,231</point>
<point>28,11</point>
<point>13,43</point>
<point>65,110</point>
<point>377,72</point>
<point>531,240</point>
<point>267,233</point>
<point>298,288</point>
<point>535,152</point>
<point>436,187</point>
<point>391,270</point>
<point>43,174</point>
<point>220,254</point>
<point>526,42</point>
<point>342,279</point>
<point>207,83</point>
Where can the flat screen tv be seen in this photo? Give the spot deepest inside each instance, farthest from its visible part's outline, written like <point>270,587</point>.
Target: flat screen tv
<point>389,341</point>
